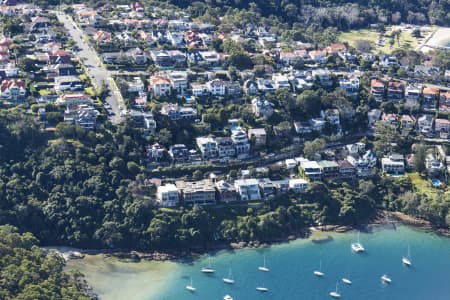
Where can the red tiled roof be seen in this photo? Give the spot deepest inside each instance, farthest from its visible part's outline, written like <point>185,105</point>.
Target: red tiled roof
<point>7,84</point>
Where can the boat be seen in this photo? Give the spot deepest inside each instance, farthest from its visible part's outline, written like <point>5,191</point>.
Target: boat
<point>229,279</point>
<point>335,294</point>
<point>262,289</point>
<point>227,297</point>
<point>319,273</point>
<point>208,270</point>
<point>190,287</point>
<point>264,268</point>
<point>406,260</point>
<point>346,281</point>
<point>385,279</point>
<point>358,247</point>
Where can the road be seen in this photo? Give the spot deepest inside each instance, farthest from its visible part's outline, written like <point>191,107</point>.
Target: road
<point>91,60</point>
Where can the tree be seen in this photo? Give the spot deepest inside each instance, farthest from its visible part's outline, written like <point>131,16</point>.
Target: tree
<point>419,157</point>
<point>240,60</point>
<point>197,175</point>
<point>313,147</point>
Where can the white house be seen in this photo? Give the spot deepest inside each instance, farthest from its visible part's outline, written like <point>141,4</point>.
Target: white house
<point>262,108</point>
<point>167,195</point>
<point>281,81</point>
<point>207,146</point>
<point>248,189</point>
<point>216,87</point>
<point>160,86</point>
<point>298,185</point>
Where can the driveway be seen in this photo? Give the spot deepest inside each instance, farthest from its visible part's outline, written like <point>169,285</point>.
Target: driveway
<point>91,60</point>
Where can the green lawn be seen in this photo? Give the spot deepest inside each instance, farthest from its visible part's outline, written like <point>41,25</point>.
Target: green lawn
<point>406,40</point>
<point>423,185</point>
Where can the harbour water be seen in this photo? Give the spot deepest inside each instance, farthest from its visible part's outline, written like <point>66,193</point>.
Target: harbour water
<point>291,270</point>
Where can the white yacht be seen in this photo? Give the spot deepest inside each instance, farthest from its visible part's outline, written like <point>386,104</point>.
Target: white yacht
<point>319,273</point>
<point>190,287</point>
<point>229,279</point>
<point>406,260</point>
<point>358,247</point>
<point>262,289</point>
<point>385,279</point>
<point>346,281</point>
<point>208,269</point>
<point>335,294</point>
<point>264,268</point>
<point>227,297</point>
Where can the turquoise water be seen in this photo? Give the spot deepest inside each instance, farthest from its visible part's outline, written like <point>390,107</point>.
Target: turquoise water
<point>292,265</point>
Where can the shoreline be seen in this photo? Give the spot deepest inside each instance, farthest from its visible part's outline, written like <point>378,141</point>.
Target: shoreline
<point>128,255</point>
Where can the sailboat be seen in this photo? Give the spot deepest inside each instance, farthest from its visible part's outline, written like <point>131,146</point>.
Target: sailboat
<point>385,279</point>
<point>335,294</point>
<point>406,260</point>
<point>227,297</point>
<point>358,247</point>
<point>264,268</point>
<point>229,279</point>
<point>319,273</point>
<point>346,281</point>
<point>208,269</point>
<point>190,287</point>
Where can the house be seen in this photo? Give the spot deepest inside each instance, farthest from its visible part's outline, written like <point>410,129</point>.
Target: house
<point>110,57</point>
<point>179,153</point>
<point>324,77</point>
<point>144,120</point>
<point>248,189</point>
<point>332,116</point>
<point>160,86</point>
<point>373,116</point>
<point>386,61</point>
<point>317,124</point>
<point>395,90</point>
<point>13,90</point>
<point>199,89</point>
<point>430,96</point>
<point>58,56</point>
<point>262,108</point>
<point>179,82</point>
<point>233,89</point>
<point>161,58</point>
<point>241,143</point>
<point>336,48</point>
<point>210,58</point>
<point>39,24</point>
<point>346,169</point>
<point>425,123</point>
<point>250,87</point>
<point>74,99</point>
<point>83,115</point>
<point>207,146</point>
<point>318,56</point>
<point>298,185</point>
<point>225,147</point>
<point>266,187</point>
<point>361,166</point>
<point>136,85</point>
<point>377,87</point>
<point>350,86</point>
<point>427,71</point>
<point>290,163</point>
<point>137,56</point>
<point>197,192</point>
<point>64,83</point>
<point>216,87</point>
<point>302,128</point>
<point>102,37</point>
<point>390,119</point>
<point>265,85</point>
<point>330,169</point>
<point>281,82</point>
<point>434,167</point>
<point>167,195</point>
<point>87,16</point>
<point>393,164</point>
<point>226,192</point>
<point>412,96</point>
<point>442,126</point>
<point>444,101</point>
<point>257,136</point>
<point>310,170</point>
<point>407,122</point>
<point>59,69</point>
<point>292,58</point>
<point>175,112</point>
<point>137,6</point>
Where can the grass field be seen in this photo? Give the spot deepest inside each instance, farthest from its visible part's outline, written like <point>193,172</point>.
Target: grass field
<point>406,40</point>
<point>423,185</point>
